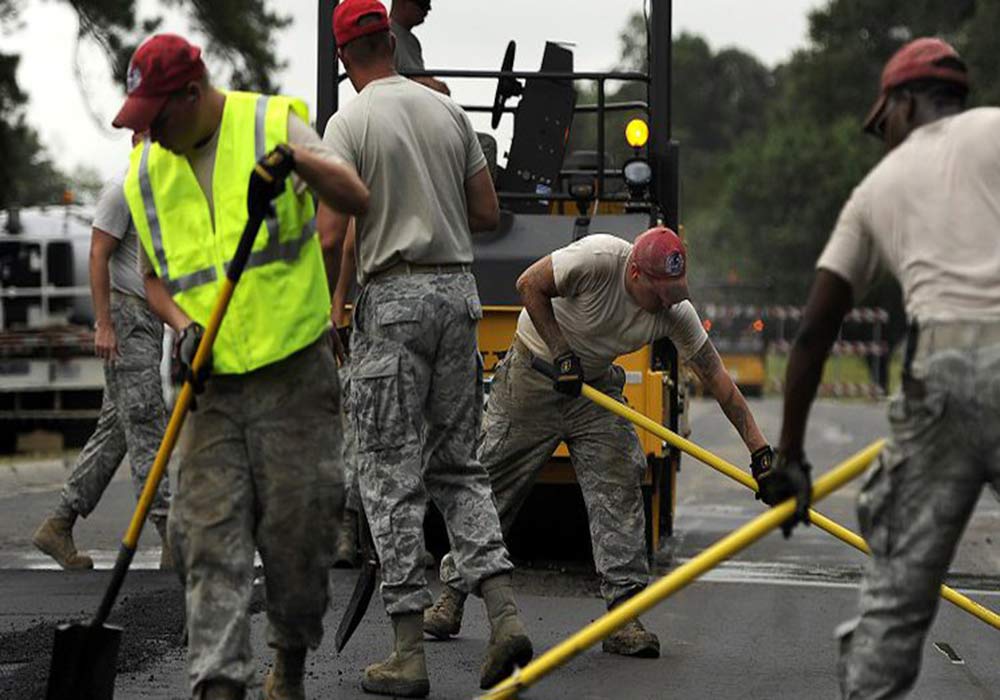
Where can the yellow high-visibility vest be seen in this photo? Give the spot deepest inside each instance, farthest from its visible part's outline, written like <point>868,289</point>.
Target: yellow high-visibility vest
<point>281,303</point>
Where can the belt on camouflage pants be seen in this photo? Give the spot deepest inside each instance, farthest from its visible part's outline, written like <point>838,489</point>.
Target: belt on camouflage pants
<point>937,336</point>
<point>406,268</point>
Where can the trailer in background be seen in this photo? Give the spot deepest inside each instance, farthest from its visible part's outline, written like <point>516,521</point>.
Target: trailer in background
<point>49,376</point>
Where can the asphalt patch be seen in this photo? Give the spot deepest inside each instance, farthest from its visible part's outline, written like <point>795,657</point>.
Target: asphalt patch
<point>153,623</point>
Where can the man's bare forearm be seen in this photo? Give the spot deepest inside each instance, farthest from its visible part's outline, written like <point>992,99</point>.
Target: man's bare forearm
<point>536,285</point>
<point>348,271</point>
<point>543,316</point>
<point>100,287</point>
<point>830,299</point>
<point>163,305</point>
<point>713,375</point>
<point>432,83</point>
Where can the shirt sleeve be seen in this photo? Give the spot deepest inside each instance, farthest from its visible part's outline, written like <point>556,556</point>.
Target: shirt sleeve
<point>577,269</point>
<point>682,325</point>
<point>304,136</point>
<point>112,214</point>
<point>475,160</point>
<point>851,253</point>
<point>338,141</point>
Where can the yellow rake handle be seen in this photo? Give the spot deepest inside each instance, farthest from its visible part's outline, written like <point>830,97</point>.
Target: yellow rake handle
<point>679,578</point>
<point>840,532</point>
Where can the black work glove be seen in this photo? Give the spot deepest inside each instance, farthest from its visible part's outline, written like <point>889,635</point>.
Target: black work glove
<point>340,339</point>
<point>788,478</point>
<point>569,374</point>
<point>267,180</point>
<point>184,351</point>
<point>760,462</point>
<point>344,332</point>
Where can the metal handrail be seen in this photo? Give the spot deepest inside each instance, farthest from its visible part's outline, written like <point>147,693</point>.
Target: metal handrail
<point>624,76</point>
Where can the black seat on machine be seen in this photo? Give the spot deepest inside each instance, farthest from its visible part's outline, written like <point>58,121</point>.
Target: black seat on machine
<point>541,128</point>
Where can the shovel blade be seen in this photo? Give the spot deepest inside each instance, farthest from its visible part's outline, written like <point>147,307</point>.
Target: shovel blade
<point>84,661</point>
<point>356,607</point>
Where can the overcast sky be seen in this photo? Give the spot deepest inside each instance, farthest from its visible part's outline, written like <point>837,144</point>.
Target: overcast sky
<point>73,116</point>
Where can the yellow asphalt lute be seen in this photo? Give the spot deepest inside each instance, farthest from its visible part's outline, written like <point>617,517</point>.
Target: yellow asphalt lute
<point>737,474</point>
<point>678,579</point>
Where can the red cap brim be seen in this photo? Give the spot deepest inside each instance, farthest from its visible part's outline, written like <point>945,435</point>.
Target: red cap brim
<point>875,114</point>
<point>138,112</point>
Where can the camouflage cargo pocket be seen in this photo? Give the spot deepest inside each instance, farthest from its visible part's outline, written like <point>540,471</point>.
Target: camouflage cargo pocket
<point>875,504</point>
<point>379,413</point>
<point>915,419</point>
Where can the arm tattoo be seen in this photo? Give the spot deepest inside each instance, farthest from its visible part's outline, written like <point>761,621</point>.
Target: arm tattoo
<point>713,375</point>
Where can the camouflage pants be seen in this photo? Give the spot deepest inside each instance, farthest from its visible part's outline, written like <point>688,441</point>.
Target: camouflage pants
<point>525,422</point>
<point>914,506</point>
<point>416,409</point>
<point>133,417</point>
<point>261,471</point>
<point>352,500</point>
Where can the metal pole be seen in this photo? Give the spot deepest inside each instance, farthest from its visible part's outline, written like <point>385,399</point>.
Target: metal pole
<point>327,82</point>
<point>600,138</point>
<point>662,153</point>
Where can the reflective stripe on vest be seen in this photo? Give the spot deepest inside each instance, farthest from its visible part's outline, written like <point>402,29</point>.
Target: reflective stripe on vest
<point>273,252</point>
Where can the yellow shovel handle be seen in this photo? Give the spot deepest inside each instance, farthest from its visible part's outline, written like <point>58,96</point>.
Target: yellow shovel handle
<point>679,578</point>
<point>842,533</point>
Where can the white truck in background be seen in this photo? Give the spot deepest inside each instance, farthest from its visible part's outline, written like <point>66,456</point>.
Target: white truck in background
<point>49,376</point>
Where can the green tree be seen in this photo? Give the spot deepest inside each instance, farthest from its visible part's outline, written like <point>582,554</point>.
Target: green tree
<point>786,180</point>
<point>26,174</point>
<point>718,98</point>
<point>240,33</point>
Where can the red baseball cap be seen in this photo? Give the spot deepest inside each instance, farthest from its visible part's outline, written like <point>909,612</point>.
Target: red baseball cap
<point>659,253</point>
<point>163,64</point>
<point>919,59</point>
<point>347,20</point>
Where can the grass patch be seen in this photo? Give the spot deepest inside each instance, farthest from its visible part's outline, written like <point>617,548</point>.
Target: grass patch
<point>838,369</point>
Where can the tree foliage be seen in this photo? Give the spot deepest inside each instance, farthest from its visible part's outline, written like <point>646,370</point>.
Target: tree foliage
<point>241,34</point>
<point>768,156</point>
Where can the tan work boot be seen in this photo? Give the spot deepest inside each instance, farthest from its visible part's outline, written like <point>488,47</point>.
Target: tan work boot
<point>509,646</point>
<point>55,538</point>
<point>219,690</point>
<point>166,554</point>
<point>443,620</point>
<point>345,556</point>
<point>404,673</point>
<point>284,682</point>
<point>633,640</point>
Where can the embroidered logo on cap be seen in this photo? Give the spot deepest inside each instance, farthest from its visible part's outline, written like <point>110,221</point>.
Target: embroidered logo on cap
<point>674,266</point>
<point>133,80</point>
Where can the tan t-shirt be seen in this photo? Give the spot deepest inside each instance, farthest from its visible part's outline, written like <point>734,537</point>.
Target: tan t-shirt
<point>414,148</point>
<point>203,164</point>
<point>596,314</point>
<point>409,54</point>
<point>931,212</point>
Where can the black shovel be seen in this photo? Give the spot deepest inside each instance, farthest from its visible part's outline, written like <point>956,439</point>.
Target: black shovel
<point>85,655</point>
<point>364,587</point>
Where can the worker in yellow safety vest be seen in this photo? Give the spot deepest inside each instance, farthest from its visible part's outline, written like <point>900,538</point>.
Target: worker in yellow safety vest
<point>260,468</point>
